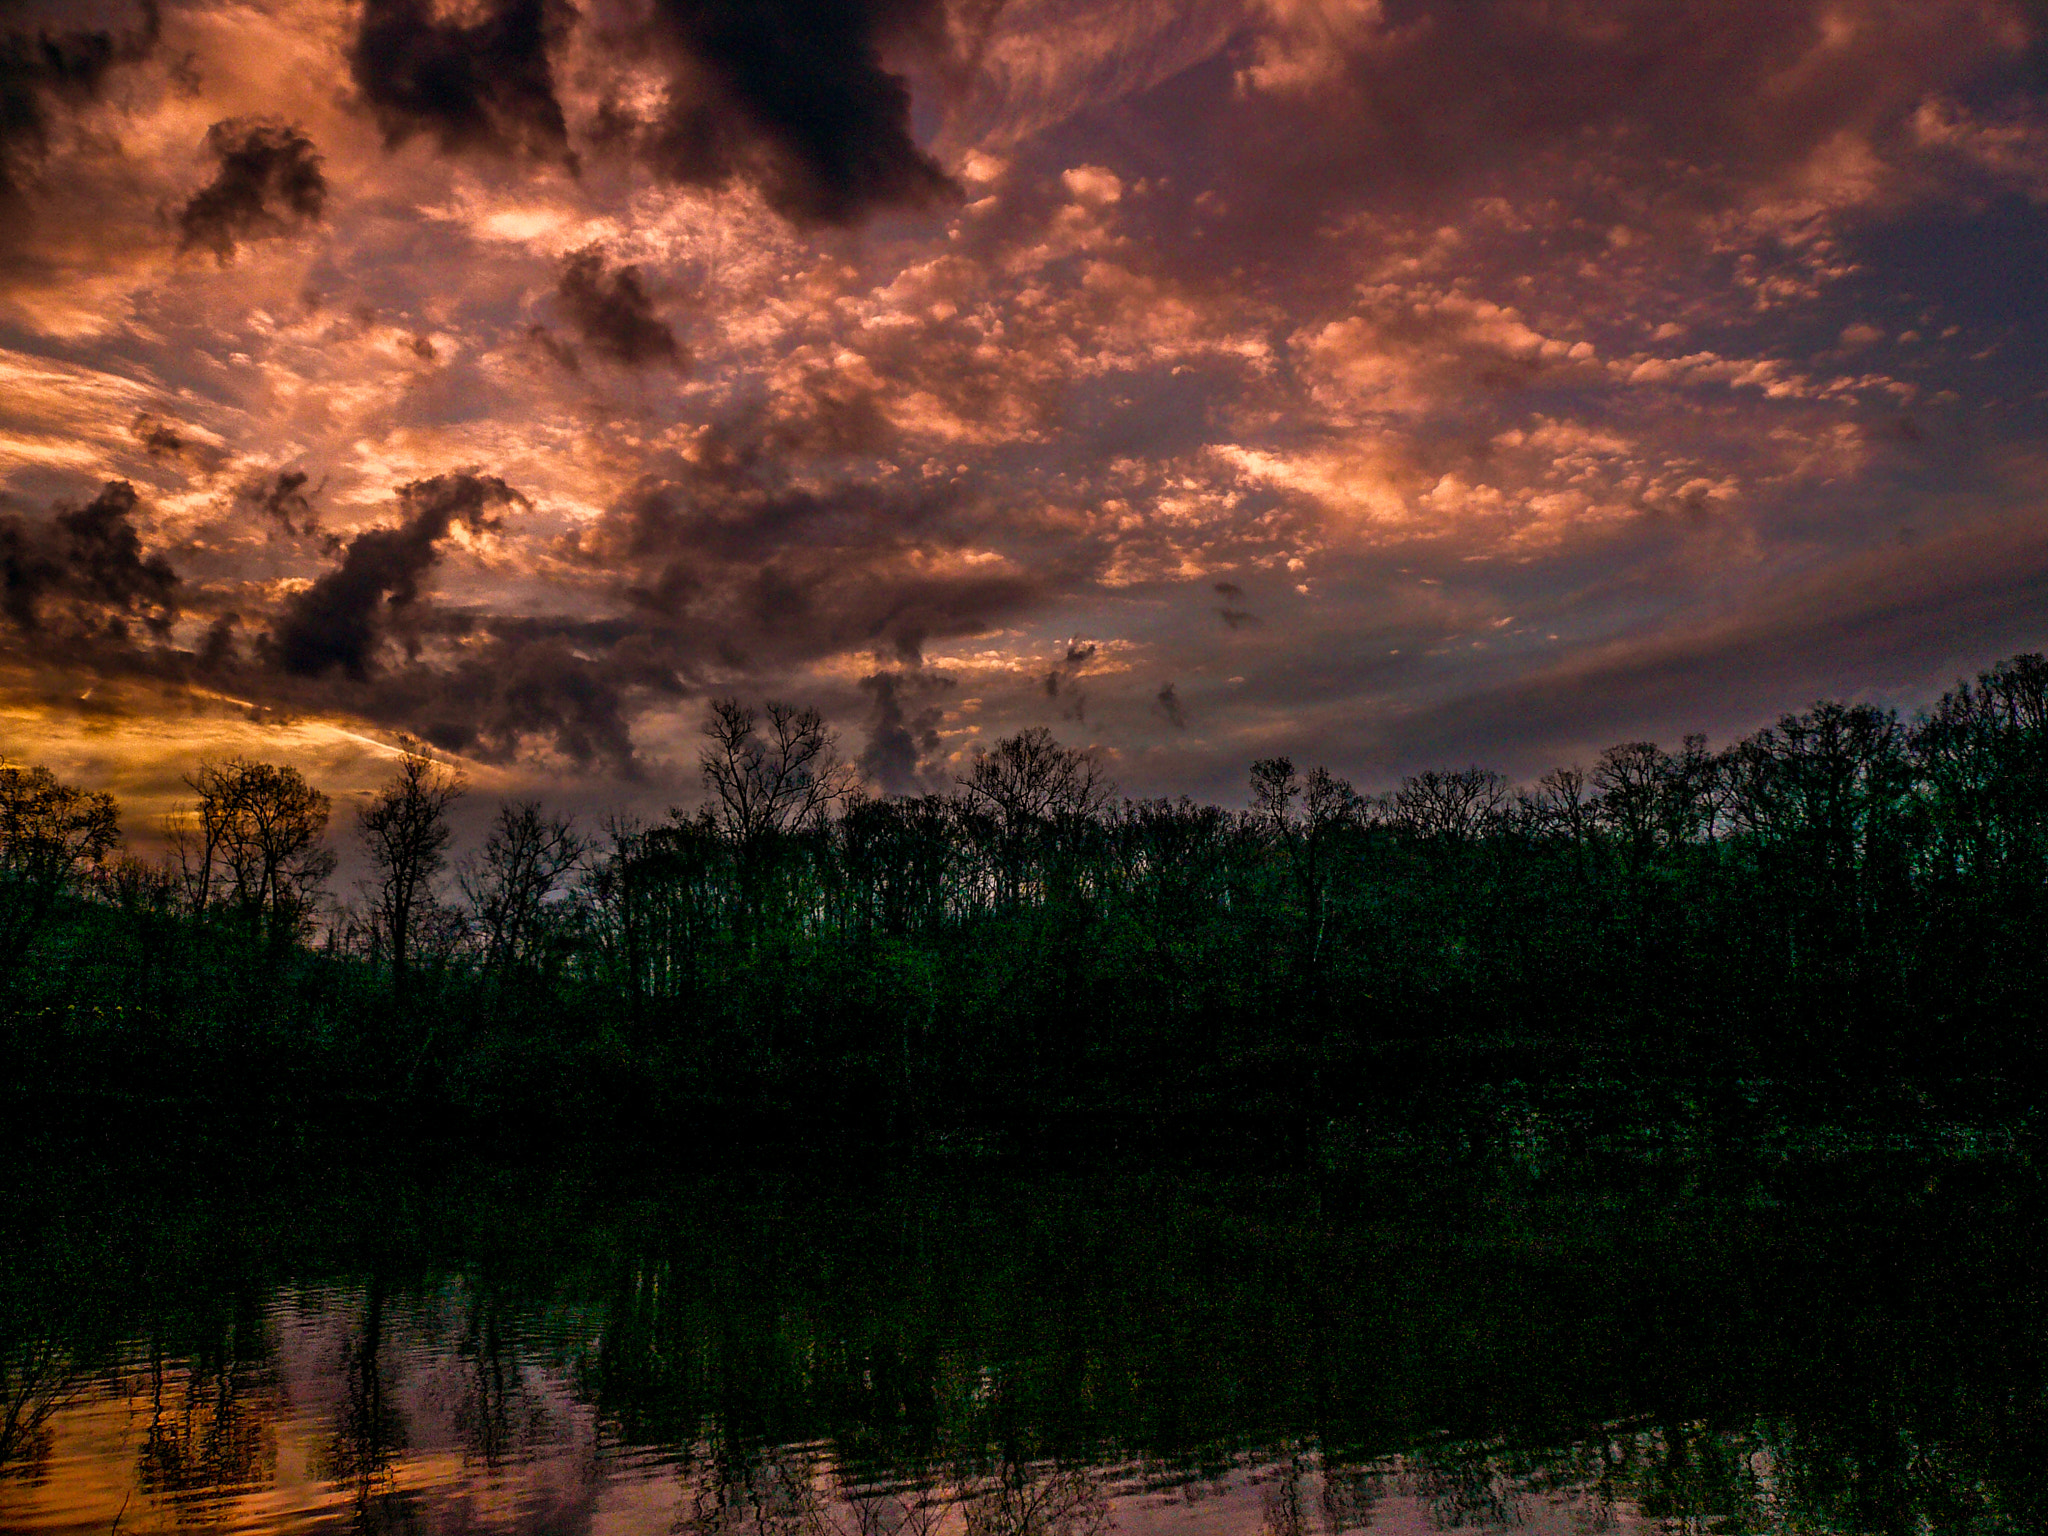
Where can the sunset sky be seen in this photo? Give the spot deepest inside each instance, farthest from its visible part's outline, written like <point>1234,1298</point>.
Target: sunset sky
<point>1383,382</point>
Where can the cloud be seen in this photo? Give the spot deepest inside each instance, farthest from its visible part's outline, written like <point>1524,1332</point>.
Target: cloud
<point>269,183</point>
<point>613,314</point>
<point>1608,120</point>
<point>166,443</point>
<point>903,737</point>
<point>1167,703</point>
<point>83,572</point>
<point>793,96</point>
<point>158,438</point>
<point>526,686</point>
<point>474,84</point>
<point>339,623</point>
<point>44,68</point>
<point>736,551</point>
<point>1466,335</point>
<point>282,497</point>
<point>1059,683</point>
<point>1234,618</point>
<point>495,687</point>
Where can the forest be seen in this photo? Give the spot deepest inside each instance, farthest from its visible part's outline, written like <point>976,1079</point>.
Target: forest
<point>1839,918</point>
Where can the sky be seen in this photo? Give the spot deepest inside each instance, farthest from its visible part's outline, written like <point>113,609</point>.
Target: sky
<point>1385,383</point>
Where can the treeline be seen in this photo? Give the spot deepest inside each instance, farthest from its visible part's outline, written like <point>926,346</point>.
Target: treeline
<point>1843,912</point>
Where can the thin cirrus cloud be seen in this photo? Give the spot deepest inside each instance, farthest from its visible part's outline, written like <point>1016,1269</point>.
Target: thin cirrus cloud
<point>1406,380</point>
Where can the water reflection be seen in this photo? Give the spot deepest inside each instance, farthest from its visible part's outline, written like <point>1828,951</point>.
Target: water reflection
<point>369,1430</point>
<point>211,1428</point>
<point>1048,1359</point>
<point>36,1378</point>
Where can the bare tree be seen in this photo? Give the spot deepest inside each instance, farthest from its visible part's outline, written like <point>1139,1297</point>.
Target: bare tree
<point>1652,801</point>
<point>768,781</point>
<point>1453,807</point>
<point>1026,789</point>
<point>1030,777</point>
<point>765,782</point>
<point>254,841</point>
<point>405,830</point>
<point>510,883</point>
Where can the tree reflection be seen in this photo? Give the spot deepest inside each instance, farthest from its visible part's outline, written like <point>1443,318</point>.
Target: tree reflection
<point>1054,1502</point>
<point>212,1430</point>
<point>1283,1511</point>
<point>496,1414</point>
<point>1464,1491</point>
<point>370,1432</point>
<point>1349,1495</point>
<point>867,1368</point>
<point>754,1491</point>
<point>882,1512</point>
<point>36,1378</point>
<point>797,1491</point>
<point>1764,1476</point>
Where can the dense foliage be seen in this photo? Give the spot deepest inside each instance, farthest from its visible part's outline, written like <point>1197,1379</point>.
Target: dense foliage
<point>1841,910</point>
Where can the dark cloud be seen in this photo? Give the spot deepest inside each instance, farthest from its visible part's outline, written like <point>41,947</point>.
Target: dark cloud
<point>793,95</point>
<point>217,651</point>
<point>480,83</point>
<point>1059,683</point>
<point>1239,618</point>
<point>84,571</point>
<point>283,498</point>
<point>560,352</point>
<point>738,553</point>
<point>42,68</point>
<point>789,95</point>
<point>903,732</point>
<point>269,183</point>
<point>613,314</point>
<point>163,441</point>
<point>500,688</point>
<point>524,686</point>
<point>1229,590</point>
<point>339,623</point>
<point>158,438</point>
<point>1167,703</point>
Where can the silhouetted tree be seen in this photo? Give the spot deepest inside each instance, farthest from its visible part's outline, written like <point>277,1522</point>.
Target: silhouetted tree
<point>1302,820</point>
<point>514,878</point>
<point>1025,785</point>
<point>52,834</point>
<point>254,844</point>
<point>405,831</point>
<point>767,783</point>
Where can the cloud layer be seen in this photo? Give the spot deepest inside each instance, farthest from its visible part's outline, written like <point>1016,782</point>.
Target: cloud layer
<point>1374,381</point>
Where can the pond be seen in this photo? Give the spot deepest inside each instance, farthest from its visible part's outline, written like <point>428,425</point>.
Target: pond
<point>268,1334</point>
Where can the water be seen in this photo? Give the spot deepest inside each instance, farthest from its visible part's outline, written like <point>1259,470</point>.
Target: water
<point>265,1338</point>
